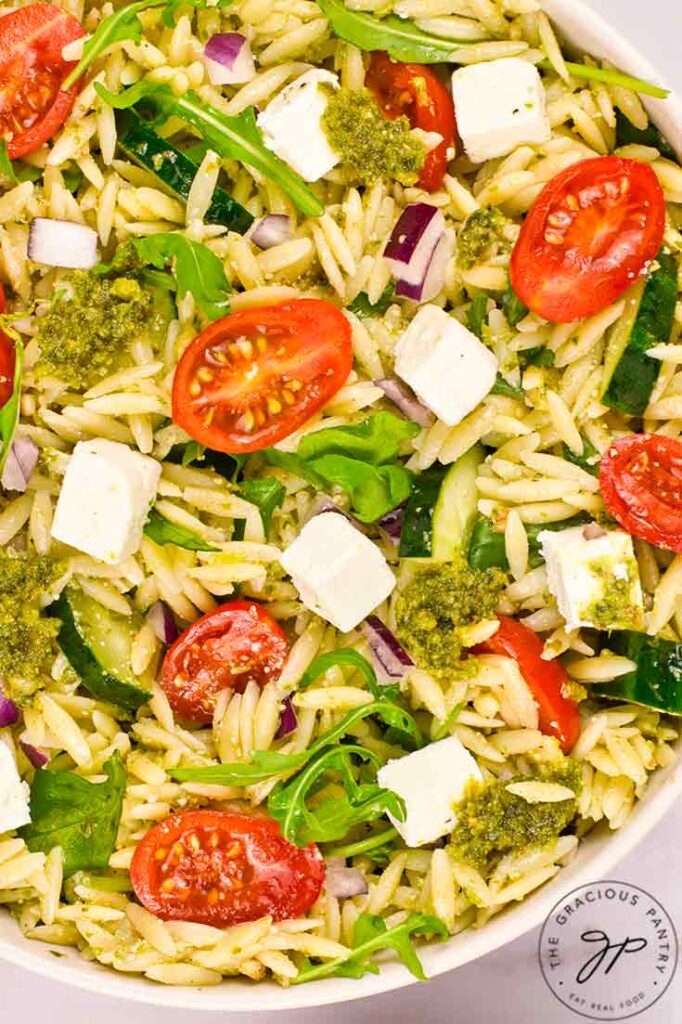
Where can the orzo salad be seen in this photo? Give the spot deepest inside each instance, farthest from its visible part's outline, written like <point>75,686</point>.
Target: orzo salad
<point>341,514</point>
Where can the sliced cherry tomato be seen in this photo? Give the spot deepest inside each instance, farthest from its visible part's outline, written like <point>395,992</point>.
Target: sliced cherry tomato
<point>558,714</point>
<point>33,104</point>
<point>640,477</point>
<point>256,376</point>
<point>235,644</point>
<point>588,235</point>
<point>415,91</point>
<point>216,868</point>
<point>6,358</point>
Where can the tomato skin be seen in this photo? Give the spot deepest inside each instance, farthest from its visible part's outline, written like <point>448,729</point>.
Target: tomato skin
<point>7,358</point>
<point>218,868</point>
<point>590,233</point>
<point>257,375</point>
<point>640,477</point>
<point>415,91</point>
<point>558,715</point>
<point>32,70</point>
<point>238,642</point>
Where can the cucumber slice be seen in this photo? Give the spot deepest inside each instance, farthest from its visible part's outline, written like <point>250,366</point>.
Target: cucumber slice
<point>416,535</point>
<point>629,373</point>
<point>657,680</point>
<point>455,511</point>
<point>97,643</point>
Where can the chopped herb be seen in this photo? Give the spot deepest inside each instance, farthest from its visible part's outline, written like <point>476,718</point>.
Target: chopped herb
<point>363,308</point>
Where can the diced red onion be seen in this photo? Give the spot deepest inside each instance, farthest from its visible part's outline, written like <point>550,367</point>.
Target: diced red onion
<point>229,60</point>
<point>387,650</point>
<point>434,278</point>
<point>344,882</point>
<point>392,522</point>
<point>62,243</point>
<point>413,241</point>
<point>288,722</point>
<point>271,230</point>
<point>404,399</point>
<point>9,712</point>
<point>162,622</point>
<point>20,462</point>
<point>37,757</point>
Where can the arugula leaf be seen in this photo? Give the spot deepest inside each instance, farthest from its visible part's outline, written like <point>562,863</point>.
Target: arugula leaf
<point>512,307</point>
<point>9,413</point>
<point>443,729</point>
<point>294,464</point>
<point>538,356</point>
<point>370,846</point>
<point>628,135</point>
<point>267,494</point>
<point>477,314</point>
<point>80,816</point>
<point>363,308</point>
<point>73,177</point>
<point>171,7</point>
<point>266,763</point>
<point>370,935</point>
<point>611,76</point>
<point>503,387</point>
<point>376,439</point>
<point>589,460</point>
<point>374,490</point>
<point>6,168</point>
<point>347,656</point>
<point>234,138</point>
<point>397,36</point>
<point>162,531</point>
<point>197,270</point>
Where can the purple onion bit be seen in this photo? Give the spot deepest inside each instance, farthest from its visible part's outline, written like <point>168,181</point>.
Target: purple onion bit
<point>273,229</point>
<point>37,757</point>
<point>20,462</point>
<point>9,712</point>
<point>288,722</point>
<point>392,523</point>
<point>389,653</point>
<point>344,882</point>
<point>406,401</point>
<point>160,618</point>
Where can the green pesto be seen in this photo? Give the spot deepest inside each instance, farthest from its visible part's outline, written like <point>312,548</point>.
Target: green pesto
<point>491,821</point>
<point>481,233</point>
<point>87,332</point>
<point>26,639</point>
<point>615,606</point>
<point>371,146</point>
<point>437,603</point>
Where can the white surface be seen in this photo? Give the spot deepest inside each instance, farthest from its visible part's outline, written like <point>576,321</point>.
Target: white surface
<point>505,986</point>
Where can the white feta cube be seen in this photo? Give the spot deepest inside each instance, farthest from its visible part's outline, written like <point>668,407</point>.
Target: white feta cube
<point>105,499</point>
<point>593,576</point>
<point>499,104</point>
<point>14,794</point>
<point>430,781</point>
<point>292,124</point>
<point>340,574</point>
<point>446,365</point>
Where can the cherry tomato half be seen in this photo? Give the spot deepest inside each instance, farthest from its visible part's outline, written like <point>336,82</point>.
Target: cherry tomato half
<point>415,91</point>
<point>588,235</point>
<point>6,358</point>
<point>558,714</point>
<point>257,375</point>
<point>33,104</point>
<point>217,868</point>
<point>235,644</point>
<point>640,477</point>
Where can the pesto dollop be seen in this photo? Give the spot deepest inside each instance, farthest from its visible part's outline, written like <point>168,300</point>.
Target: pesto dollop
<point>26,638</point>
<point>437,603</point>
<point>491,821</point>
<point>481,236</point>
<point>371,146</point>
<point>87,332</point>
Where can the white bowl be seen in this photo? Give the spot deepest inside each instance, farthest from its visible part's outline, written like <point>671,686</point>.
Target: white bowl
<point>597,855</point>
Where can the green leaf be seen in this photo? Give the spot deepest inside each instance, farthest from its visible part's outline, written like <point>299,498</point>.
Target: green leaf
<point>380,841</point>
<point>370,935</point>
<point>374,490</point>
<point>73,177</point>
<point>589,460</point>
<point>628,135</point>
<point>477,314</point>
<point>267,494</point>
<point>9,413</point>
<point>80,816</point>
<point>611,76</point>
<point>443,729</point>
<point>512,307</point>
<point>172,7</point>
<point>397,36</point>
<point>162,531</point>
<point>6,168</point>
<point>347,656</point>
<point>503,387</point>
<point>538,356</point>
<point>197,270</point>
<point>292,463</point>
<point>363,308</point>
<point>377,439</point>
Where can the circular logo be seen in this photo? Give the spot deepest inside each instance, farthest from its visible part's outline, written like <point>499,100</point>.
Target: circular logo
<point>608,951</point>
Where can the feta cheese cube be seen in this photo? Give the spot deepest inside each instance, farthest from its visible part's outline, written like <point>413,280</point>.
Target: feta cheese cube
<point>446,365</point>
<point>292,125</point>
<point>593,575</point>
<point>499,104</point>
<point>340,574</point>
<point>430,781</point>
<point>105,499</point>
<point>14,794</point>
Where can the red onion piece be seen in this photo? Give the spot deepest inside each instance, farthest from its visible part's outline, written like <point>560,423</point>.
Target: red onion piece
<point>387,650</point>
<point>392,522</point>
<point>9,712</point>
<point>162,622</point>
<point>229,60</point>
<point>405,399</point>
<point>413,241</point>
<point>271,230</point>
<point>288,722</point>
<point>20,462</point>
<point>344,882</point>
<point>62,243</point>
<point>434,279</point>
<point>37,757</point>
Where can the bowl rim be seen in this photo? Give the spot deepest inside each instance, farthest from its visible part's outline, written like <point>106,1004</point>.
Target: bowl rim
<point>575,21</point>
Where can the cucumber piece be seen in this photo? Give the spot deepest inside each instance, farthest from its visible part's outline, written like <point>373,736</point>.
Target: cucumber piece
<point>175,170</point>
<point>416,535</point>
<point>487,550</point>
<point>97,643</point>
<point>455,511</point>
<point>657,680</point>
<point>629,373</point>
